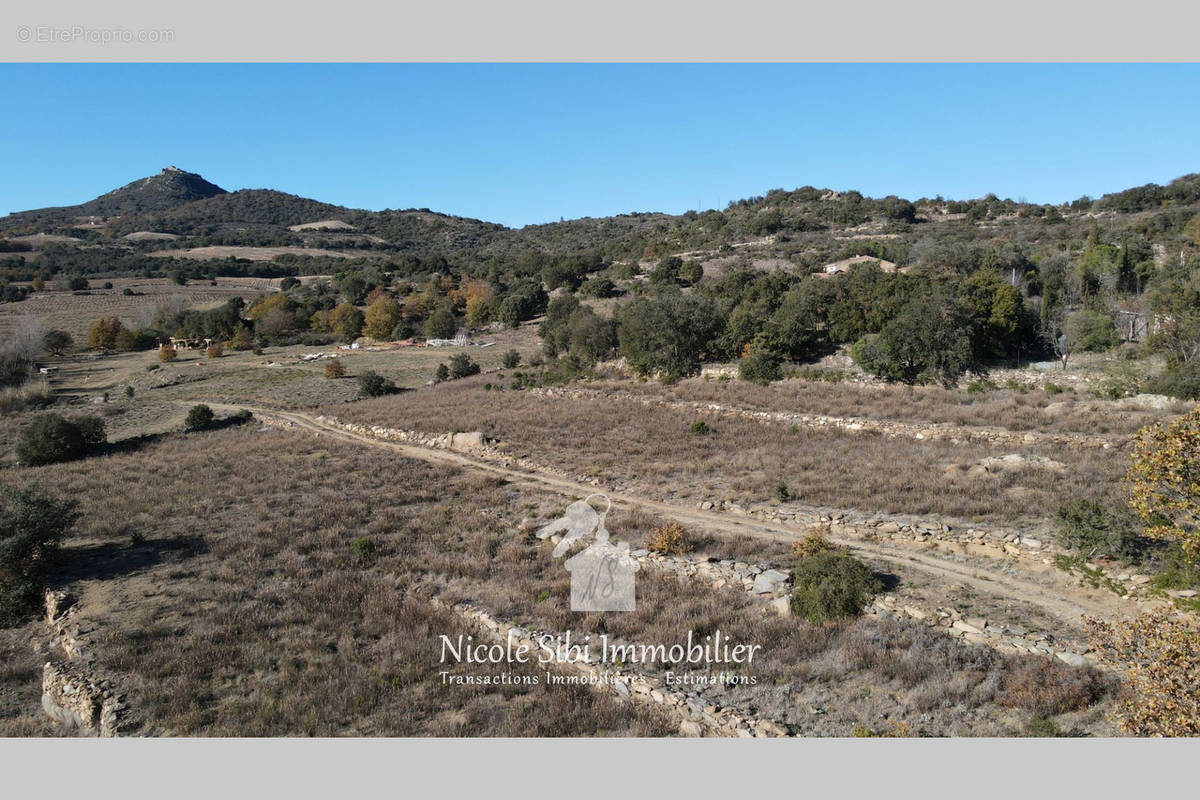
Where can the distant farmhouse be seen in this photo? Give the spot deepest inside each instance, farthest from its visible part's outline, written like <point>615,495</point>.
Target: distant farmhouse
<point>847,264</point>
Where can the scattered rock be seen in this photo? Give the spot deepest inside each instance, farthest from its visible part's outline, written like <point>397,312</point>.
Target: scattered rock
<point>781,606</point>
<point>769,581</point>
<point>966,627</point>
<point>1074,659</point>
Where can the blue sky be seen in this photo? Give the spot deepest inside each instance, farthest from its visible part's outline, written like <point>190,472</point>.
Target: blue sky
<point>521,144</point>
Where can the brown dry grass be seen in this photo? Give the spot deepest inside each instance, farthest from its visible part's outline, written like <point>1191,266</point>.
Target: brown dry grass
<point>243,610</point>
<point>1002,408</point>
<point>651,449</point>
<point>242,607</point>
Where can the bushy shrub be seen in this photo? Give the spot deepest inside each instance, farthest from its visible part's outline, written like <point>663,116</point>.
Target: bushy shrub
<point>929,340</point>
<point>670,539</point>
<point>198,418</point>
<point>372,384</point>
<point>1094,530</point>
<point>462,366</point>
<point>1047,688</point>
<point>598,286</point>
<point>832,584</point>
<point>1181,381</point>
<point>167,354</point>
<point>700,428</point>
<point>214,351</point>
<point>441,324</point>
<point>31,526</point>
<point>442,373</point>
<point>91,428</point>
<point>51,438</point>
<point>512,358</point>
<point>57,341</point>
<point>334,369</point>
<point>760,364</point>
<point>1091,331</point>
<point>364,548</point>
<point>669,334</point>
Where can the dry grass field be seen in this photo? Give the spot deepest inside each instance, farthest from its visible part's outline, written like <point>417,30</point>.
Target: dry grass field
<point>652,450</point>
<point>1035,409</point>
<point>219,575</point>
<point>75,312</point>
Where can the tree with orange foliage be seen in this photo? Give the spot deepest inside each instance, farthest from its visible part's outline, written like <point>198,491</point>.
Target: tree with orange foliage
<point>1164,481</point>
<point>1160,653</point>
<point>381,317</point>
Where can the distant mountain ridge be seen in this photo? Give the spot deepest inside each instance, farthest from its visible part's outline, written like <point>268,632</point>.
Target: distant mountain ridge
<point>169,188</point>
<point>794,224</point>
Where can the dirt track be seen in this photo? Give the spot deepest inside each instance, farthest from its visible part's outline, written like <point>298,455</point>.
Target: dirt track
<point>1056,594</point>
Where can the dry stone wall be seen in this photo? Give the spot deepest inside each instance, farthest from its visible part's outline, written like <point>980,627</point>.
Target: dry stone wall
<point>73,692</point>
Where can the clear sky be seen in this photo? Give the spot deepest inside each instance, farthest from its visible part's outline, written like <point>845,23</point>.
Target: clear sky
<point>520,144</point>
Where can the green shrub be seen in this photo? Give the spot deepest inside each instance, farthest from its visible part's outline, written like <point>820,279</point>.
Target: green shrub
<point>700,428</point>
<point>91,428</point>
<point>199,417</point>
<point>440,324</point>
<point>1052,388</point>
<point>598,286</point>
<point>512,358</point>
<point>1091,331</point>
<point>372,384</point>
<point>1093,530</point>
<point>782,493</point>
<point>364,548</point>
<point>1181,381</point>
<point>760,364</point>
<point>821,374</point>
<point>462,366</point>
<point>832,584</point>
<point>1176,570</point>
<point>48,439</point>
<point>31,526</point>
<point>442,373</point>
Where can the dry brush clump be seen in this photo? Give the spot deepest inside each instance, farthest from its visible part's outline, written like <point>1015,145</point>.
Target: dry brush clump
<point>1047,687</point>
<point>669,539</point>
